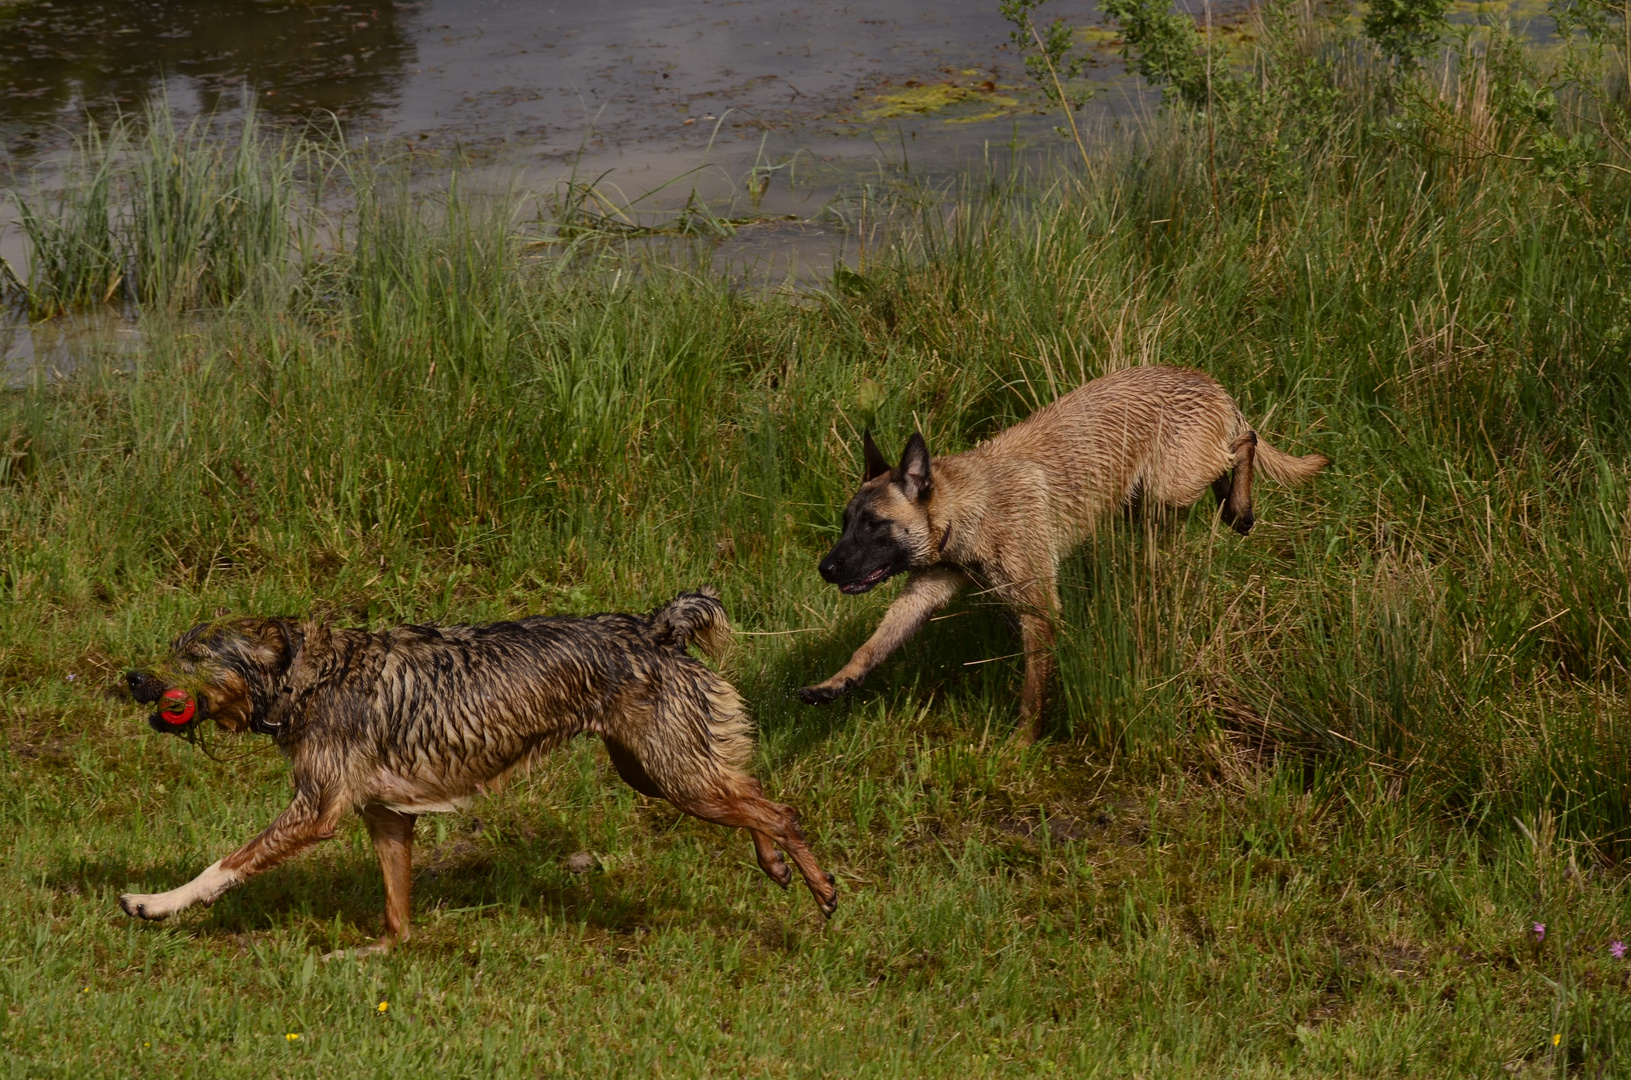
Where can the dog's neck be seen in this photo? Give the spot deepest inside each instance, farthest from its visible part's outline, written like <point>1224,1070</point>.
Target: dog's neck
<point>952,513</point>
<point>290,694</point>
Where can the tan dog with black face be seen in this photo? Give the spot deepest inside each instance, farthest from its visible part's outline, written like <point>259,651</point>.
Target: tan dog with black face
<point>1004,513</point>
<point>422,719</point>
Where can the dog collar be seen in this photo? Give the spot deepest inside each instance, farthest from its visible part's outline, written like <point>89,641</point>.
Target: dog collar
<point>265,727</point>
<point>277,715</point>
<point>178,708</point>
<point>299,679</point>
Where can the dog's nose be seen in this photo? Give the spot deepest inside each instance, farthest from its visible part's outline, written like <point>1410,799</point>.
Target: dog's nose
<point>828,569</point>
<point>143,687</point>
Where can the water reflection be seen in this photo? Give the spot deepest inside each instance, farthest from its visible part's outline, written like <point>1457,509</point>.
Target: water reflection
<point>34,355</point>
<point>768,111</point>
<point>61,57</point>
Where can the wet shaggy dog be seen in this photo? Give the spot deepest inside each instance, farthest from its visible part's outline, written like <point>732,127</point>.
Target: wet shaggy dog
<point>420,719</point>
<point>1004,513</point>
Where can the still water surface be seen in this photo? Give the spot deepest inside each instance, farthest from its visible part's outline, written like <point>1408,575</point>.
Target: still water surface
<point>614,82</point>
<point>672,98</point>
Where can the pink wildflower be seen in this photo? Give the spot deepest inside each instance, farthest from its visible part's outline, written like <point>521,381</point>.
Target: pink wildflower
<point>1616,949</point>
<point>1540,931</point>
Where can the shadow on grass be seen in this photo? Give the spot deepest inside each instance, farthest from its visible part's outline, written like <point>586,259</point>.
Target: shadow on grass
<point>343,886</point>
<point>966,654</point>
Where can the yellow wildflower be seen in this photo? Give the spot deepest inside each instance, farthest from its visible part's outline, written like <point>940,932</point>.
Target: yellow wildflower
<point>292,1036</point>
<point>383,1006</point>
<point>1556,1039</point>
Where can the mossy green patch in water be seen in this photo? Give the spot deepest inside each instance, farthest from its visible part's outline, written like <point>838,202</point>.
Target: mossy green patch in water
<point>919,100</point>
<point>1098,35</point>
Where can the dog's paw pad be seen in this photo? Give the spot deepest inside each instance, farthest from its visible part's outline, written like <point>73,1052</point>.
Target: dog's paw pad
<point>821,695</point>
<point>828,903</point>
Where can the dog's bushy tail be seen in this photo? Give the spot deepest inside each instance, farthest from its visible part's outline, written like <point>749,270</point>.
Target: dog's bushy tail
<point>694,618</point>
<point>1284,468</point>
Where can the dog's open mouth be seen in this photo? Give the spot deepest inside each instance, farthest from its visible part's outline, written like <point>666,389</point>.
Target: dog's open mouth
<point>865,583</point>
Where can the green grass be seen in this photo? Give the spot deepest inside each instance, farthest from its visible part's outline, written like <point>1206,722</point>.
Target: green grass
<point>1305,793</point>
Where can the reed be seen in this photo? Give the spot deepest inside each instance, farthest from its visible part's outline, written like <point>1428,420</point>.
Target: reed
<point>173,218</point>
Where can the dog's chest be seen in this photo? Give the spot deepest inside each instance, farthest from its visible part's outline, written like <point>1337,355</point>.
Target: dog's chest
<point>408,795</point>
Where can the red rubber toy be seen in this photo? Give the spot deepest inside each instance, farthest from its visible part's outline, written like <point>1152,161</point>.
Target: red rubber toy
<point>178,708</point>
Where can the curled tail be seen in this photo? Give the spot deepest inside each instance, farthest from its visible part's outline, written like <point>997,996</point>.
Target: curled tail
<point>1286,468</point>
<point>694,618</point>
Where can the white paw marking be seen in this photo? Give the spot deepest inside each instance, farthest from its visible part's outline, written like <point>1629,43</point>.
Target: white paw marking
<point>203,889</point>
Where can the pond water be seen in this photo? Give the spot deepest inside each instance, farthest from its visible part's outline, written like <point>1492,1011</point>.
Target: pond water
<point>772,110</point>
<point>636,87</point>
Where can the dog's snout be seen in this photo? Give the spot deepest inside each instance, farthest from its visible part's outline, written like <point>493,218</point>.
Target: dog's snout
<point>829,569</point>
<point>144,687</point>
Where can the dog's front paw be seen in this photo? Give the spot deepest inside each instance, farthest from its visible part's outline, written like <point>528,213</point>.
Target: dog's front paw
<point>825,692</point>
<point>144,907</point>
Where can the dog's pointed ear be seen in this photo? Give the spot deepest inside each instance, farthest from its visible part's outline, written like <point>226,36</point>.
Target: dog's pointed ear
<point>913,473</point>
<point>876,463</point>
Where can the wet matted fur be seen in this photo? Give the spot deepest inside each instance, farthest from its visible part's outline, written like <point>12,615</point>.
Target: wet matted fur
<point>420,719</point>
<point>1004,513</point>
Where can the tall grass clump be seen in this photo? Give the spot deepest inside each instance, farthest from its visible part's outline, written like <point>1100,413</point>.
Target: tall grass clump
<point>206,222</point>
<point>75,259</point>
<point>167,216</point>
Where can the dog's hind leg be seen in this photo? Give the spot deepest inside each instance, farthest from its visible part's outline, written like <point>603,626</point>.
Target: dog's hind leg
<point>634,774</point>
<point>300,826</point>
<point>1235,507</point>
<point>392,833</point>
<point>926,592</point>
<point>770,860</point>
<point>739,803</point>
<point>1037,637</point>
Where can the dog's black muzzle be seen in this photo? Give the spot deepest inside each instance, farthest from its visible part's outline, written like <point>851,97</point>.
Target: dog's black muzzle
<point>836,569</point>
